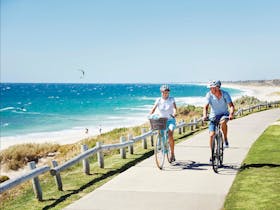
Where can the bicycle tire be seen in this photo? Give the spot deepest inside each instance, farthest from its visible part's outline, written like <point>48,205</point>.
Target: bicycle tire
<point>168,150</point>
<point>221,155</point>
<point>215,154</point>
<point>159,151</point>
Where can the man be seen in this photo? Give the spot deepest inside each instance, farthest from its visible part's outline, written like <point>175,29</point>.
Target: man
<point>220,101</point>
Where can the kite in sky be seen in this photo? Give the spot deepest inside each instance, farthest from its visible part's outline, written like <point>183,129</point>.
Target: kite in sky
<point>83,73</point>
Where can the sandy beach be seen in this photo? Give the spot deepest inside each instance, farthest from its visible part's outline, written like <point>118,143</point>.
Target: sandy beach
<point>262,92</point>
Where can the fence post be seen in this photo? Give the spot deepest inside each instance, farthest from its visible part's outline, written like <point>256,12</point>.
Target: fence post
<point>180,129</point>
<point>241,113</point>
<point>57,177</point>
<point>130,147</point>
<point>195,121</point>
<point>152,140</point>
<point>100,156</point>
<point>184,127</point>
<point>85,161</point>
<point>35,182</point>
<point>122,150</point>
<point>191,125</point>
<point>144,141</point>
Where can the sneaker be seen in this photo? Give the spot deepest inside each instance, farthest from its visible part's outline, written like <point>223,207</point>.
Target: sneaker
<point>210,160</point>
<point>226,144</point>
<point>172,158</point>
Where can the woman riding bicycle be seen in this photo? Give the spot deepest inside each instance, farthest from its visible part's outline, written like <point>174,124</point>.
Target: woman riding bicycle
<point>219,100</point>
<point>166,108</point>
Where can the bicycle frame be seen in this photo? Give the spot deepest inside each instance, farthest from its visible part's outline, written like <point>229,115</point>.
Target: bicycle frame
<point>162,148</point>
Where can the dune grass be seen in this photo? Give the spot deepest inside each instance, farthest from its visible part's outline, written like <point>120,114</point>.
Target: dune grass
<point>257,185</point>
<point>17,156</point>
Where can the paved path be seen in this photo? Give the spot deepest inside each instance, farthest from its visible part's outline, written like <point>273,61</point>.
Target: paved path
<point>189,183</point>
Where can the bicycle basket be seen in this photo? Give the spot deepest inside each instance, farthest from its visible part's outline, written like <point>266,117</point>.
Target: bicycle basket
<point>158,124</point>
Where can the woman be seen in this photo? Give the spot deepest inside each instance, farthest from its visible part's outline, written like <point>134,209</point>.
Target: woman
<point>166,107</point>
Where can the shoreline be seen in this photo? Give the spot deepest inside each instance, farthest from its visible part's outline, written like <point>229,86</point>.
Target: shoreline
<point>262,92</point>
<point>63,137</point>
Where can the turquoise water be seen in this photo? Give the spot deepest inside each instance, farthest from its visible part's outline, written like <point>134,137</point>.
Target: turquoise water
<point>35,108</point>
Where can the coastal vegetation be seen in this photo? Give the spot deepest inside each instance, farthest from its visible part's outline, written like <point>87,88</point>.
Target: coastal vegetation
<point>246,101</point>
<point>17,156</point>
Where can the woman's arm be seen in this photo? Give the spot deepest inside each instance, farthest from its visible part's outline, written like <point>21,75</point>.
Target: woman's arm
<point>174,109</point>
<point>153,109</point>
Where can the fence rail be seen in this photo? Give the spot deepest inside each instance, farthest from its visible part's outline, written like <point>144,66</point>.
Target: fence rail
<point>99,148</point>
<point>33,174</point>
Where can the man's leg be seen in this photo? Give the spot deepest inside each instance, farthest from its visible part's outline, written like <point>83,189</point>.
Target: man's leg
<point>225,131</point>
<point>211,136</point>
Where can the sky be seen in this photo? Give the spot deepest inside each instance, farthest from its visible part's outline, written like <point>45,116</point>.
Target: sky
<point>139,41</point>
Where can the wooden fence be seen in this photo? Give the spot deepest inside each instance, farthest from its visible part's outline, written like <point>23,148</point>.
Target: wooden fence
<point>99,149</point>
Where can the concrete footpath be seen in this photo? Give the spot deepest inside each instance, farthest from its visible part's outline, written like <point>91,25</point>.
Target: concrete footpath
<point>190,182</point>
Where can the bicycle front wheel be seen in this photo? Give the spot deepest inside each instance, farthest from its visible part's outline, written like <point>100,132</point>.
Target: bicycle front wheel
<point>168,150</point>
<point>215,154</point>
<point>221,143</point>
<point>159,151</point>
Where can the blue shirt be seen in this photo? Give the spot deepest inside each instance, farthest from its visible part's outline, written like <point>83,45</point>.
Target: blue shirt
<point>218,106</point>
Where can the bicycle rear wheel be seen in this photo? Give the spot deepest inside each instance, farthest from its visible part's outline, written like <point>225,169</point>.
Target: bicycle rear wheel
<point>159,151</point>
<point>215,154</point>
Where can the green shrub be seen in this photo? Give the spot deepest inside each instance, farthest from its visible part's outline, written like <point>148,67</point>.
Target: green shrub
<point>4,178</point>
<point>246,101</point>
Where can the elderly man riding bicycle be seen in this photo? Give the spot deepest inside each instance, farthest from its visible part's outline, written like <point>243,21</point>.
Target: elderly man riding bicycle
<point>219,101</point>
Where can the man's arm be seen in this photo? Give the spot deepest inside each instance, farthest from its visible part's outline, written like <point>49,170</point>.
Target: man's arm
<point>205,111</point>
<point>231,110</point>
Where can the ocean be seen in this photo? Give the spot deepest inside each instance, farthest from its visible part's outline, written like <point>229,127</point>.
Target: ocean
<point>48,112</point>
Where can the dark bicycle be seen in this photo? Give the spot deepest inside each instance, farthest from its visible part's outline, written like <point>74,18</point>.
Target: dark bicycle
<point>217,152</point>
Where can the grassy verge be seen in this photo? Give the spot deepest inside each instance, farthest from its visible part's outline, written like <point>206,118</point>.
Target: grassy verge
<point>257,185</point>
